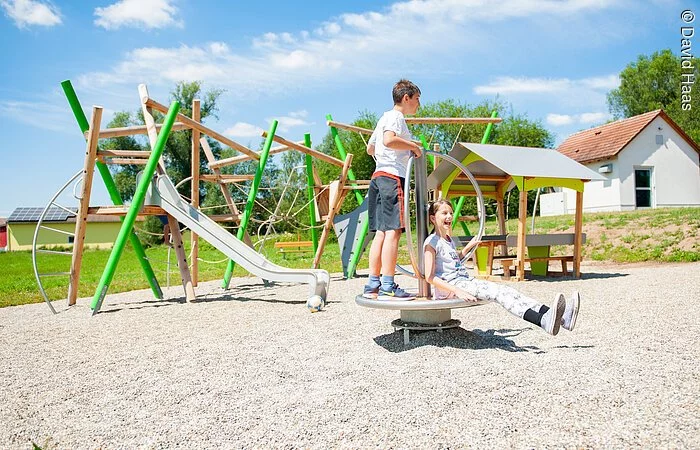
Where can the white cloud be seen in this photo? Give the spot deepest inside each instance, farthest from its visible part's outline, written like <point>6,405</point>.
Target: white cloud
<point>293,119</point>
<point>138,13</point>
<point>42,115</point>
<point>26,13</point>
<point>339,50</point>
<point>559,120</point>
<point>594,117</point>
<point>512,85</point>
<point>243,129</point>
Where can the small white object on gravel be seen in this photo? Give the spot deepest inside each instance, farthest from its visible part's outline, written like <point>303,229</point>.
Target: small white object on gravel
<point>251,367</point>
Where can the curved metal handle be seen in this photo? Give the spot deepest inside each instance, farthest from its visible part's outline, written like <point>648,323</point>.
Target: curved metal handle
<point>479,196</point>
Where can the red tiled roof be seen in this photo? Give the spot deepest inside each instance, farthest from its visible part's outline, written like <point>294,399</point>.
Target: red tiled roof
<point>606,141</point>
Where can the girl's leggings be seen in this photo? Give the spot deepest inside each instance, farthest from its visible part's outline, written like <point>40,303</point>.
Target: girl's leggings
<point>512,300</point>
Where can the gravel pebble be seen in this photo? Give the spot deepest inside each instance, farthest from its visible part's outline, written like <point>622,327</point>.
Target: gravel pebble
<point>251,367</point>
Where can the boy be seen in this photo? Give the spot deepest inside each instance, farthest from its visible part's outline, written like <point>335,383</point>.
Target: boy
<point>391,146</point>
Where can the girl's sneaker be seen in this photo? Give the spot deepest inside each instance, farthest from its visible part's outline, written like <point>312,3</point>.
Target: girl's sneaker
<point>551,320</point>
<point>573,304</point>
<point>395,293</point>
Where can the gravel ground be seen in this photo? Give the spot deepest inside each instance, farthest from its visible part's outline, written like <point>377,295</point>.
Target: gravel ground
<point>251,367</point>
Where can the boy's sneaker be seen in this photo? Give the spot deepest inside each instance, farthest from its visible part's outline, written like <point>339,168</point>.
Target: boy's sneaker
<point>551,320</point>
<point>395,293</point>
<point>371,292</point>
<point>571,313</point>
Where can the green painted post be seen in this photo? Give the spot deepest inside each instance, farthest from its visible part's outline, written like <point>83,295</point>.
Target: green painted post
<point>310,183</point>
<point>137,201</point>
<point>251,198</point>
<point>357,251</point>
<point>112,189</point>
<point>343,155</point>
<point>460,203</point>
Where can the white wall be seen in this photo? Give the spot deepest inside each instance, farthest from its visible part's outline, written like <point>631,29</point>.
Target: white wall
<point>675,167</point>
<point>675,172</point>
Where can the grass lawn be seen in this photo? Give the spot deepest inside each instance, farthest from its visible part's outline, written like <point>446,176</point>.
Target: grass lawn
<point>661,235</point>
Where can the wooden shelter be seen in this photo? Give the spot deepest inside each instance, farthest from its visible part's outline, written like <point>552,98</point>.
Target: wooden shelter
<point>500,168</point>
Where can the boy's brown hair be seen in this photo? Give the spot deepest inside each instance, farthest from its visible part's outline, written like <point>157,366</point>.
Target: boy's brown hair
<point>404,87</point>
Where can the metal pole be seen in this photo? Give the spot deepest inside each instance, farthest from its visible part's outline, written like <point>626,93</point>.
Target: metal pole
<point>421,195</point>
<point>310,192</point>
<point>251,198</point>
<point>112,190</point>
<point>136,203</point>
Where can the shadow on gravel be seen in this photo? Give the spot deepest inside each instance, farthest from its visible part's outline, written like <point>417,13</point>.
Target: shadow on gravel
<point>584,276</point>
<point>117,307</point>
<point>456,338</point>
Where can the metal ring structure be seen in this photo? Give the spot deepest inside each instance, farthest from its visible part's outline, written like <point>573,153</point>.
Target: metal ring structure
<point>52,202</point>
<point>479,202</point>
<point>479,196</point>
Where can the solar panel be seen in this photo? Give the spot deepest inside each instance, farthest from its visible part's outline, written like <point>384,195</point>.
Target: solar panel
<point>54,214</point>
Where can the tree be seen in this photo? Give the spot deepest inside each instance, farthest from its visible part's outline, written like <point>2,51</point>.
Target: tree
<point>655,82</point>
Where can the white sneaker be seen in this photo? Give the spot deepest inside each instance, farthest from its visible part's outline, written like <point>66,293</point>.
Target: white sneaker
<point>551,320</point>
<point>573,304</point>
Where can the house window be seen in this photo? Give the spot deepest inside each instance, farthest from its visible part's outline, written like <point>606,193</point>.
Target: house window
<point>71,239</point>
<point>642,187</point>
<point>659,139</point>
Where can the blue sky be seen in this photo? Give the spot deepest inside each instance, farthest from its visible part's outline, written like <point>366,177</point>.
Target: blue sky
<point>297,61</point>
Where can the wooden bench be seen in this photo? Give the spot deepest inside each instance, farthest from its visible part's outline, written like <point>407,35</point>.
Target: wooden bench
<point>538,248</point>
<point>294,247</point>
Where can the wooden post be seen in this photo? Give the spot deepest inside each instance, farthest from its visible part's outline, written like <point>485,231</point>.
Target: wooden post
<point>578,236</point>
<point>522,230</point>
<point>501,213</point>
<point>174,230</point>
<point>81,217</point>
<point>224,190</point>
<point>196,115</point>
<point>335,201</point>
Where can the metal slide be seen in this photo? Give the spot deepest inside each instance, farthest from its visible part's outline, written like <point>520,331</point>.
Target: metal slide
<point>167,197</point>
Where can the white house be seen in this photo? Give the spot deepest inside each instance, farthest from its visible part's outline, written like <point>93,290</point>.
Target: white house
<point>648,162</point>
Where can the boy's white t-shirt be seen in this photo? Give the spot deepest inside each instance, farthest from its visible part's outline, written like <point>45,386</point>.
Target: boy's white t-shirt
<point>448,264</point>
<point>389,160</point>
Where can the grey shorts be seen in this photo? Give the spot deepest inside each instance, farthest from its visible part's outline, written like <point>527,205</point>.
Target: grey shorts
<point>385,202</point>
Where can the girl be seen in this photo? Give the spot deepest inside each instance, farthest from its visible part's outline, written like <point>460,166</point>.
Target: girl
<point>450,279</point>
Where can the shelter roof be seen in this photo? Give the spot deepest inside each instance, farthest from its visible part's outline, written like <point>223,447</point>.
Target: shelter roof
<point>503,161</point>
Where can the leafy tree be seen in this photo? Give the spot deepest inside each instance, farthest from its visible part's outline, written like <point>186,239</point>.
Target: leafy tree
<point>654,82</point>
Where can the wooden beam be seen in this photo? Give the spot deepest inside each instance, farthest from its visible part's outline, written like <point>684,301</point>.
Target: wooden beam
<point>235,214</point>
<point>194,191</point>
<point>240,158</point>
<point>198,126</point>
<point>185,274</point>
<point>578,236</point>
<point>501,214</point>
<point>347,127</point>
<point>452,120</point>
<point>146,210</point>
<point>125,153</point>
<point>335,200</point>
<point>134,130</point>
<point>122,161</point>
<point>522,230</point>
<point>309,151</point>
<point>497,178</point>
<point>226,217</point>
<point>82,215</point>
<point>173,224</point>
<point>225,178</point>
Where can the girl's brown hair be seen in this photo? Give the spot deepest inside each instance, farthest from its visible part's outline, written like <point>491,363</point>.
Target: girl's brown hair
<point>432,210</point>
